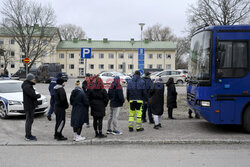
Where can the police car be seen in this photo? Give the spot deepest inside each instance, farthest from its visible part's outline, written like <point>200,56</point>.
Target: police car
<point>11,99</point>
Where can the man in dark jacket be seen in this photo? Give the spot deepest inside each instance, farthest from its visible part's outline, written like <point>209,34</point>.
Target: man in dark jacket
<point>146,105</point>
<point>52,94</point>
<point>116,102</point>
<point>30,103</point>
<point>136,94</point>
<point>61,104</point>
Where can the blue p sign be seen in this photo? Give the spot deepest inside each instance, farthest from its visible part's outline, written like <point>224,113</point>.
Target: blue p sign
<point>86,53</point>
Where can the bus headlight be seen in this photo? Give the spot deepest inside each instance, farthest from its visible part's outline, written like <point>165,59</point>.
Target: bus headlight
<point>205,103</point>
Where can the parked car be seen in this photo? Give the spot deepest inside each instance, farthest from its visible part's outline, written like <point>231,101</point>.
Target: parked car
<point>47,71</point>
<point>179,76</point>
<point>21,73</point>
<point>11,99</point>
<point>108,77</point>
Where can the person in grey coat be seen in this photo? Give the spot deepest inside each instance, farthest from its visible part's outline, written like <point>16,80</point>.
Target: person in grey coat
<point>79,115</point>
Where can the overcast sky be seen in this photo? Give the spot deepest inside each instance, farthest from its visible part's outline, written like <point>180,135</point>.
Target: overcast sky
<point>118,19</point>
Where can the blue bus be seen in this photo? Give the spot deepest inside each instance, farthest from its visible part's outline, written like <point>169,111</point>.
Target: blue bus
<point>219,74</point>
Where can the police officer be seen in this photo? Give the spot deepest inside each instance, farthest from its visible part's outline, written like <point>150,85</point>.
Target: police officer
<point>136,94</point>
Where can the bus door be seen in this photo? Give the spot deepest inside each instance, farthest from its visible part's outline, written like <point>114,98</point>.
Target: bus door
<point>231,69</point>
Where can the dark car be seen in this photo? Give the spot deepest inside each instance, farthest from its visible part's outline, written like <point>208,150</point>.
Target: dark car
<point>47,71</point>
<point>21,73</point>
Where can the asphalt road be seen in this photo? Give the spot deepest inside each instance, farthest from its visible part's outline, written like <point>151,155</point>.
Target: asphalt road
<point>127,156</point>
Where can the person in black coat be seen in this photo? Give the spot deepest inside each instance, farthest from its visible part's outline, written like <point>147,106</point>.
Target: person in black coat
<point>98,98</point>
<point>61,104</point>
<point>116,102</point>
<point>79,115</point>
<point>157,102</point>
<point>171,97</point>
<point>30,103</point>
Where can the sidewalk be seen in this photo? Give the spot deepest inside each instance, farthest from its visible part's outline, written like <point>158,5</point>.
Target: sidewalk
<point>183,131</point>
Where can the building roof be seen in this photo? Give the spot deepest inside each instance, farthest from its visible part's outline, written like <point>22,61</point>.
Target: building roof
<point>115,45</point>
<point>48,31</point>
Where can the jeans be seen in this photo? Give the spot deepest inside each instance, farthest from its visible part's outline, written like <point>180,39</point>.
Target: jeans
<point>29,122</point>
<point>114,113</point>
<point>145,107</point>
<point>52,105</point>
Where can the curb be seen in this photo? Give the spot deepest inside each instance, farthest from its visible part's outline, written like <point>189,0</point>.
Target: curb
<point>127,142</point>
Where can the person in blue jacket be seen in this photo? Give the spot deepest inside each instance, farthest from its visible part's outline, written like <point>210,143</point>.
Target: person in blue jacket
<point>136,94</point>
<point>52,94</point>
<point>116,98</point>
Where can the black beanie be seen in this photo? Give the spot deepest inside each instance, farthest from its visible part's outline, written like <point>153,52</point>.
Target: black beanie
<point>60,81</point>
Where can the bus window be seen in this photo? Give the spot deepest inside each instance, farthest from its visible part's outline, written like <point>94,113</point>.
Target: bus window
<point>231,59</point>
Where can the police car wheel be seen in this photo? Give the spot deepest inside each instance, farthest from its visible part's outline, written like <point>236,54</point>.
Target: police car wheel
<point>246,120</point>
<point>2,111</point>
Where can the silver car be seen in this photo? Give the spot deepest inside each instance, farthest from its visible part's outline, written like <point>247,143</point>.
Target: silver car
<point>178,75</point>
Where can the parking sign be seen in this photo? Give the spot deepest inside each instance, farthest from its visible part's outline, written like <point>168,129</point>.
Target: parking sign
<point>86,53</point>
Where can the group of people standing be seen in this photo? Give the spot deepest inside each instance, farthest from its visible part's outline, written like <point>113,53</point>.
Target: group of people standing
<point>142,94</point>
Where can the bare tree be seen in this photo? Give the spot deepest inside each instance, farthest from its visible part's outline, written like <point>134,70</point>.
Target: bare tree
<point>31,25</point>
<point>70,31</point>
<point>182,51</point>
<point>5,57</point>
<point>157,33</point>
<point>218,12</point>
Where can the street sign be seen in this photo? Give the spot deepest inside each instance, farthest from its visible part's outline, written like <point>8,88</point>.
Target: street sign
<point>141,58</point>
<point>86,53</point>
<point>26,60</point>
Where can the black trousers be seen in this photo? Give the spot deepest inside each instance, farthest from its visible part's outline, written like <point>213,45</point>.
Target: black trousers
<point>97,123</point>
<point>78,130</point>
<point>60,122</point>
<point>170,112</point>
<point>29,122</point>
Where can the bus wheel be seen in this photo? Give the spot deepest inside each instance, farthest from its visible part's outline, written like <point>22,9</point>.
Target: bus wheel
<point>246,120</point>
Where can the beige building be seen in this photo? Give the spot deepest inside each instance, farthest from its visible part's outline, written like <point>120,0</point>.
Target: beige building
<point>16,57</point>
<point>114,56</point>
<point>106,55</point>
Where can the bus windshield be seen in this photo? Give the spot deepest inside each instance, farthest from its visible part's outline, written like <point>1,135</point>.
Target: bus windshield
<point>199,68</point>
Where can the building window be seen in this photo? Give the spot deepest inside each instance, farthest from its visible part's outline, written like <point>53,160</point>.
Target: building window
<point>111,55</point>
<point>81,61</point>
<point>159,66</point>
<point>111,66</point>
<point>33,41</point>
<point>150,66</point>
<point>91,66</point>
<point>121,56</point>
<point>12,41</point>
<point>101,66</point>
<point>71,66</point>
<point>168,66</point>
<point>131,66</point>
<point>2,65</point>
<point>159,56</point>
<point>92,56</point>
<point>44,42</point>
<point>101,56</point>
<point>120,66</point>
<point>61,56</point>
<point>71,55</point>
<point>44,54</point>
<point>168,56</point>
<point>12,65</point>
<point>130,55</point>
<point>150,56</point>
<point>1,41</point>
<point>12,54</point>
<point>62,66</point>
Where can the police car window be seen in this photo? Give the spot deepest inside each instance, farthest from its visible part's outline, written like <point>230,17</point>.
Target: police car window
<point>10,87</point>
